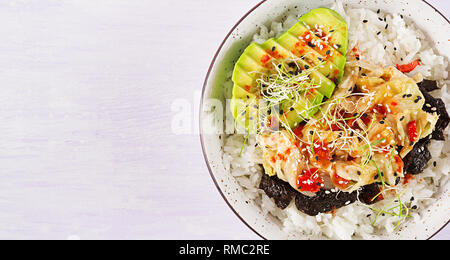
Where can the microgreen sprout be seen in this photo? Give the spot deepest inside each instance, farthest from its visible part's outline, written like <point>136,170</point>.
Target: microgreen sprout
<point>400,210</point>
<point>245,141</point>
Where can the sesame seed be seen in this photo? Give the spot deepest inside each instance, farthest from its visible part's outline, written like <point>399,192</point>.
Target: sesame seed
<point>365,21</point>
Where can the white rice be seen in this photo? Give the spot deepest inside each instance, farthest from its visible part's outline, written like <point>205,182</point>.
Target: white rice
<point>352,221</point>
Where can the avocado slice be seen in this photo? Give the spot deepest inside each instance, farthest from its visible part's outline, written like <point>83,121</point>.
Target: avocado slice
<point>245,110</point>
<point>326,86</point>
<point>302,49</point>
<point>322,56</point>
<point>308,38</point>
<point>303,109</point>
<point>331,23</point>
<point>242,77</point>
<point>253,63</point>
<point>308,105</point>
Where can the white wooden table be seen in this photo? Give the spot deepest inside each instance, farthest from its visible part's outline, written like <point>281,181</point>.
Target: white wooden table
<point>86,98</point>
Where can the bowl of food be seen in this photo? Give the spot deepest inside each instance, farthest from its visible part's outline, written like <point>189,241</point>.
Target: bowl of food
<point>328,119</point>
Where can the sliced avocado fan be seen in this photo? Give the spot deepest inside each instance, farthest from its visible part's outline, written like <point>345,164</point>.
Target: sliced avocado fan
<point>315,46</point>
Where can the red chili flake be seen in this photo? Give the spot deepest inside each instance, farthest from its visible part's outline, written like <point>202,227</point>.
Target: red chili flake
<point>247,88</point>
<point>282,157</point>
<point>265,58</point>
<point>310,180</point>
<point>412,131</point>
<point>273,159</point>
<point>310,94</point>
<point>399,162</point>
<point>394,104</point>
<point>300,47</point>
<point>275,54</point>
<point>407,178</point>
<point>408,67</point>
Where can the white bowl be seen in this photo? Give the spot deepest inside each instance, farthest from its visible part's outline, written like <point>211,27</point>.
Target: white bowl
<point>427,18</point>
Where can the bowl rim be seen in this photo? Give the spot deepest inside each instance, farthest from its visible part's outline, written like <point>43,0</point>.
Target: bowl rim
<point>205,156</point>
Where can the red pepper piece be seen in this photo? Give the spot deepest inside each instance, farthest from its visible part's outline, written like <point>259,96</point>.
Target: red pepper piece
<point>321,151</point>
<point>339,182</point>
<point>412,131</point>
<point>310,180</point>
<point>408,67</point>
<point>298,131</point>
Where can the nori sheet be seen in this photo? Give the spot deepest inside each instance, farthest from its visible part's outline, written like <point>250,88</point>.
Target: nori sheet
<point>323,201</point>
